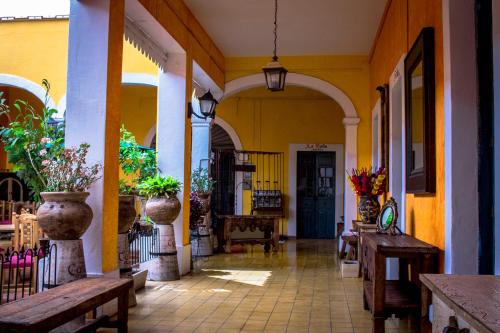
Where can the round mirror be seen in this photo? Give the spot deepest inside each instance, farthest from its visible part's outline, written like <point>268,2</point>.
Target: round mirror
<point>388,217</point>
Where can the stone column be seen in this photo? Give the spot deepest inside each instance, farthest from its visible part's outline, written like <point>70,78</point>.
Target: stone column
<point>351,161</point>
<point>93,116</point>
<point>200,147</point>
<point>173,142</point>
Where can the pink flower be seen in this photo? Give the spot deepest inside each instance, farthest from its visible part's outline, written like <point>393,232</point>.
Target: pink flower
<point>43,152</point>
<point>45,140</point>
<point>45,162</point>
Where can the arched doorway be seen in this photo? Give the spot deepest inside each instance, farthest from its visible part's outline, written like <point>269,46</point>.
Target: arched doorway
<point>350,122</point>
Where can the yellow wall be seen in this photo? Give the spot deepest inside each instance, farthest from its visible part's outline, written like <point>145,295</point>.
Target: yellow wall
<point>403,22</point>
<point>139,110</point>
<point>266,121</point>
<point>348,73</point>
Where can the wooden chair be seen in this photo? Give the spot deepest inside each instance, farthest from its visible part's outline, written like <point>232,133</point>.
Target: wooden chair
<point>26,230</point>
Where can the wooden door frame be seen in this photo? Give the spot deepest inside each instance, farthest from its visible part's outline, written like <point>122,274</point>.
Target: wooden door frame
<point>293,149</point>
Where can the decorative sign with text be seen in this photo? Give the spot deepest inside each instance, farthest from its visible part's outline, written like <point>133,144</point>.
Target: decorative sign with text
<point>316,147</point>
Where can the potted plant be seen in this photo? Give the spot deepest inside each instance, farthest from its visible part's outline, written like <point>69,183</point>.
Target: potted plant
<point>368,185</point>
<point>31,138</point>
<point>203,186</point>
<point>137,163</point>
<point>162,206</point>
<point>126,207</point>
<point>64,214</point>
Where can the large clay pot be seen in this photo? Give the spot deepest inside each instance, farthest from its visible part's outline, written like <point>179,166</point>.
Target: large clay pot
<point>64,215</point>
<point>126,213</point>
<point>163,210</point>
<point>205,201</point>
<point>369,208</point>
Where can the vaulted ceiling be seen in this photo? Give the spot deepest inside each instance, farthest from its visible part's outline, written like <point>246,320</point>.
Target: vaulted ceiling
<point>305,27</point>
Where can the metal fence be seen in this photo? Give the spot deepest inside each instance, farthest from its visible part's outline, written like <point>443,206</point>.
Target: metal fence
<point>26,272</point>
<point>143,240</point>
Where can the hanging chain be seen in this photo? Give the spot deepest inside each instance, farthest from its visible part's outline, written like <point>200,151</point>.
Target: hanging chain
<point>275,27</point>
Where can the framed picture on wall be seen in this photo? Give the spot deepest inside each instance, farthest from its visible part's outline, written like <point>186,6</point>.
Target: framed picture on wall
<point>420,115</point>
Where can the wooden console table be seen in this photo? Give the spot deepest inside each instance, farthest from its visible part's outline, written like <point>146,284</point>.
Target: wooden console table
<point>269,224</point>
<point>400,297</point>
<point>473,299</point>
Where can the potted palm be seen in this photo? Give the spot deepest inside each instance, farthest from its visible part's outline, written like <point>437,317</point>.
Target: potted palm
<point>203,186</point>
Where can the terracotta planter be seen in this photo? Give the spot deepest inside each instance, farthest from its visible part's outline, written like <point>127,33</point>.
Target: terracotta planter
<point>369,208</point>
<point>126,213</point>
<point>205,201</point>
<point>163,210</point>
<point>64,215</point>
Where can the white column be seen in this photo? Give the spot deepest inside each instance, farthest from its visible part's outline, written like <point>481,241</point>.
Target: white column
<point>460,138</point>
<point>351,162</point>
<point>92,116</point>
<point>171,138</point>
<point>200,143</point>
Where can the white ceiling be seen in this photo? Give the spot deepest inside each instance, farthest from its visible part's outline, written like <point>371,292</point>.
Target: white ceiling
<point>305,27</point>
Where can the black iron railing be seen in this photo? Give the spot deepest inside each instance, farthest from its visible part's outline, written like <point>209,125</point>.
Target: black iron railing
<point>143,240</point>
<point>26,272</point>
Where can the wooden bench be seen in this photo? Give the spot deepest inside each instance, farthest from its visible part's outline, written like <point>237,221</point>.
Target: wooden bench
<point>55,307</point>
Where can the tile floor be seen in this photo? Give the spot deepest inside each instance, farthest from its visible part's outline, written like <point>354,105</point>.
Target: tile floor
<point>298,289</point>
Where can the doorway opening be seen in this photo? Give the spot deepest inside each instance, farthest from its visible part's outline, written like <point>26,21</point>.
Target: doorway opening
<point>316,194</point>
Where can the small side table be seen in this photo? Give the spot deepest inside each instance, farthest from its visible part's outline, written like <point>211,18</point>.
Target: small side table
<point>400,297</point>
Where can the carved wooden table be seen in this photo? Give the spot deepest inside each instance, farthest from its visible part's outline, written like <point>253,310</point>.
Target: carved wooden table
<point>473,299</point>
<point>269,224</point>
<point>400,297</point>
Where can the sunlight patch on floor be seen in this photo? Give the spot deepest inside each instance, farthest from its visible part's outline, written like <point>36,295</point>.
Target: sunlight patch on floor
<point>254,278</point>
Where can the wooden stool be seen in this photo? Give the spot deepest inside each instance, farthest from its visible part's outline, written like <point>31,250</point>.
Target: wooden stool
<point>352,241</point>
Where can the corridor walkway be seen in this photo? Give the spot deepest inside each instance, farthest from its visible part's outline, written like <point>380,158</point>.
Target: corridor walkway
<point>299,289</point>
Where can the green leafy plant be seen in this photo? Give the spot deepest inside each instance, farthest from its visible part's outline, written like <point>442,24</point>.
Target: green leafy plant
<point>31,138</point>
<point>135,159</point>
<point>200,181</point>
<point>124,188</point>
<point>159,186</point>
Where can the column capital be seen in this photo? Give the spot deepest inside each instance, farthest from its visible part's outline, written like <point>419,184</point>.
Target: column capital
<point>350,121</point>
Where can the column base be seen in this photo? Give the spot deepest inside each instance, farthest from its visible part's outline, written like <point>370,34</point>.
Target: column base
<point>164,266</point>
<point>124,254</point>
<point>69,263</point>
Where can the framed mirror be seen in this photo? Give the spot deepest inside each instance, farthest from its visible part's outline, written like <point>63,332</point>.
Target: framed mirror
<point>420,115</point>
<point>388,218</point>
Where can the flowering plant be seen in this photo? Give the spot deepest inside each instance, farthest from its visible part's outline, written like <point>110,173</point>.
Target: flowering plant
<point>31,138</point>
<point>365,182</point>
<point>68,172</point>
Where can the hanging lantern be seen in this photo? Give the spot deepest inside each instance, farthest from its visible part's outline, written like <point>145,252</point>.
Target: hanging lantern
<point>275,73</point>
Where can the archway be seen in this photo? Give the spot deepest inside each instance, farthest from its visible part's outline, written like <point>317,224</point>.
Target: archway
<point>350,121</point>
<point>35,89</point>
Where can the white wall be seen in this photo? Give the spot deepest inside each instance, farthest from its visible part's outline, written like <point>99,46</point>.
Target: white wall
<point>496,81</point>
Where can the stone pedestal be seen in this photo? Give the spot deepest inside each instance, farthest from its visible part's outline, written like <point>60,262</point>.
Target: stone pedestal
<point>124,254</point>
<point>125,265</point>
<point>165,266</point>
<point>67,262</point>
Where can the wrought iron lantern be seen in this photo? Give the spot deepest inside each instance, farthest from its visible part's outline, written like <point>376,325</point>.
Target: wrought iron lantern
<point>275,73</point>
<point>207,104</point>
